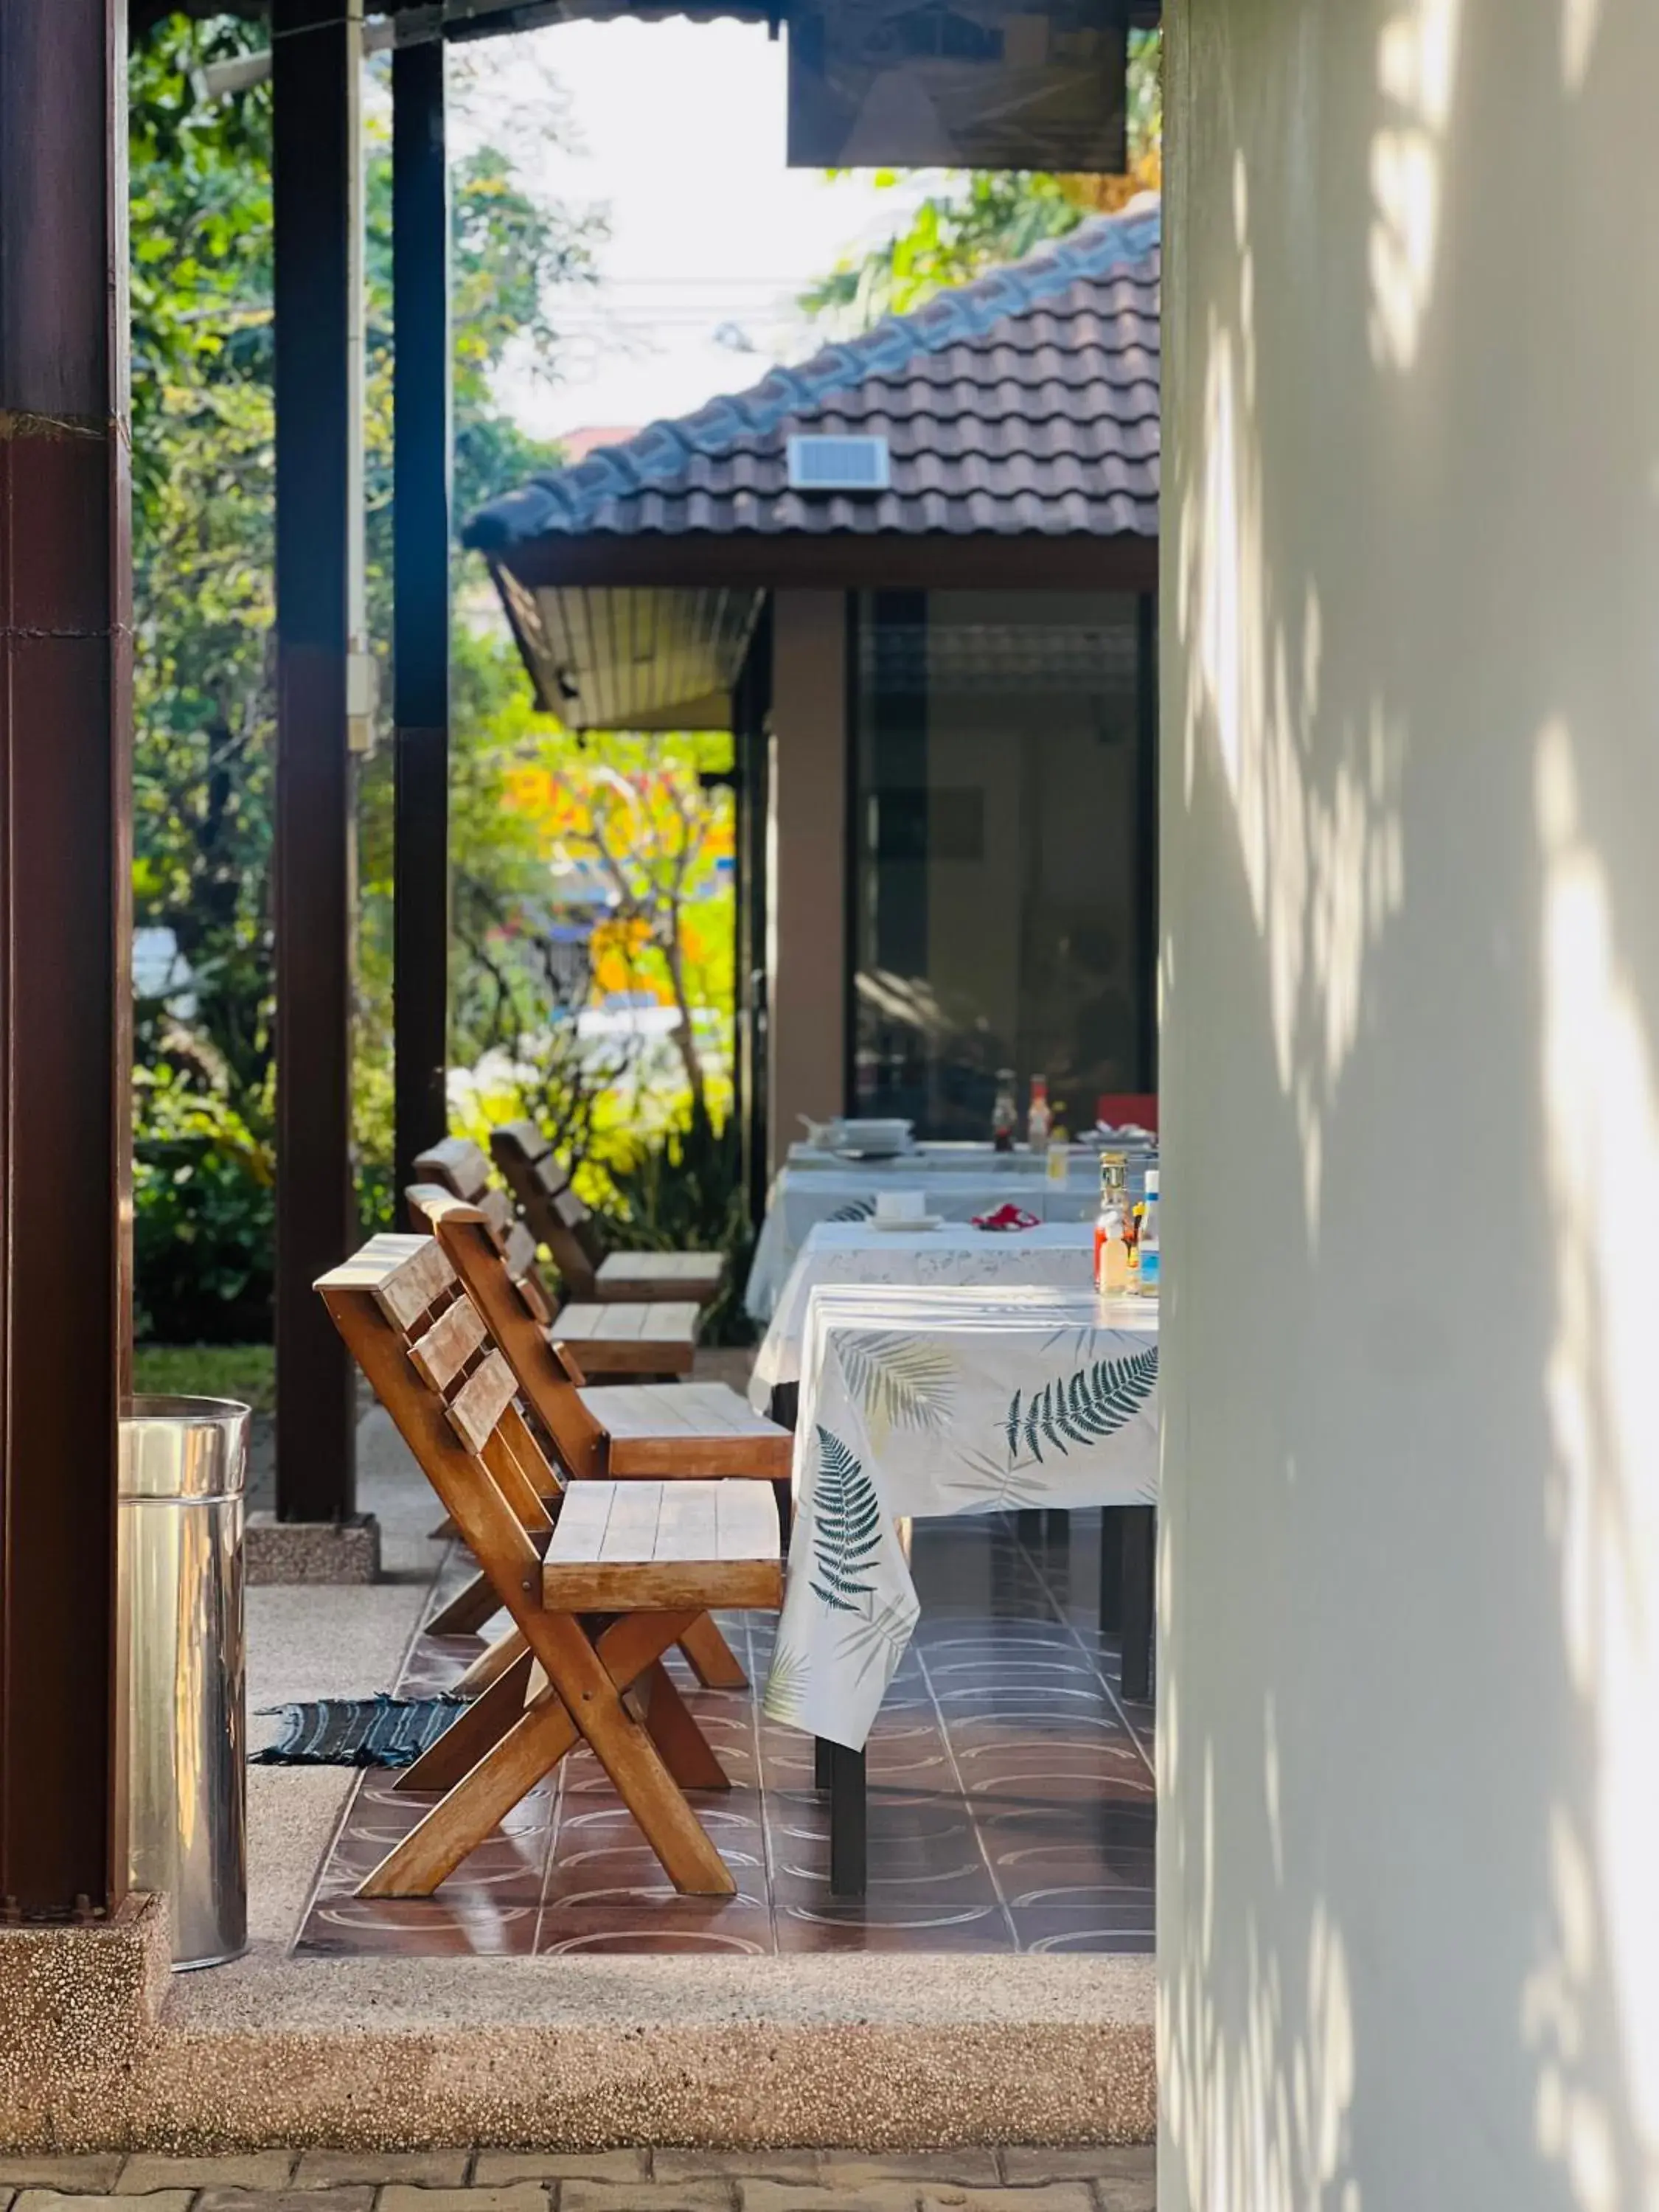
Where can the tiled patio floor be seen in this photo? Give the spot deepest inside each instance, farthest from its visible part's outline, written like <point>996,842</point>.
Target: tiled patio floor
<point>1023,2179</point>
<point>1011,1797</point>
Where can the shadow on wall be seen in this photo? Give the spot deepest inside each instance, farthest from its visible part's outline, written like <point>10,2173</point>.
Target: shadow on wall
<point>1409,1734</point>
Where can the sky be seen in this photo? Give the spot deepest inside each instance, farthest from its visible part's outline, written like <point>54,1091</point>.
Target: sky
<point>677,129</point>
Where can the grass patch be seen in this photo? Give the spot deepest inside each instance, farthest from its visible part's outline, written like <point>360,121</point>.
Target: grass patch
<point>247,1371</point>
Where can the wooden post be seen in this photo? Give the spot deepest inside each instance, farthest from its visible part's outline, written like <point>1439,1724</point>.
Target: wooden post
<point>421,488</point>
<point>317,174</point>
<point>65,934</point>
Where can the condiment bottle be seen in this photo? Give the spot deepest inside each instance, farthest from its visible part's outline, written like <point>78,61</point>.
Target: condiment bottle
<point>1058,1158</point>
<point>1004,1114</point>
<point>1038,1119</point>
<point>1148,1243</point>
<point>1111,1246</point>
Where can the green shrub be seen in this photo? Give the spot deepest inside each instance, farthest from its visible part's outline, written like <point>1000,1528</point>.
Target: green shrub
<point>683,1191</point>
<point>203,1216</point>
<point>247,1371</point>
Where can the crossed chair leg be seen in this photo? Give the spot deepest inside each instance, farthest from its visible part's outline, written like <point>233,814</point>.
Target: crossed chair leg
<point>710,1657</point>
<point>526,1720</point>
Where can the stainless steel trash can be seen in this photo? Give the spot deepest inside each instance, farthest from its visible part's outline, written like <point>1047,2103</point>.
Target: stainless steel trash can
<point>184,1468</point>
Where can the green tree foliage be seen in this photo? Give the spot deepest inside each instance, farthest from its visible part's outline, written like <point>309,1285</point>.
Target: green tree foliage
<point>982,218</point>
<point>205,702</point>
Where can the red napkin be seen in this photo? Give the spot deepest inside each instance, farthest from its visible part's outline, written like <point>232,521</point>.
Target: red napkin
<point>1006,1217</point>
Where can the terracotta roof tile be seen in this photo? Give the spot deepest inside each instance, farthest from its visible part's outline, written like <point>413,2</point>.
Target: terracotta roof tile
<point>1027,401</point>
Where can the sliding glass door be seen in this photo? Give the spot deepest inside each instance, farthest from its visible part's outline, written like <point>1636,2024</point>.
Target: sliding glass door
<point>1004,851</point>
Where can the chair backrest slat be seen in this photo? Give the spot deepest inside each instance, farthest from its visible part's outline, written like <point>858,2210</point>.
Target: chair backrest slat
<point>441,1352</point>
<point>502,1532</point>
<point>582,1440</point>
<point>459,1164</point>
<point>427,1200</point>
<point>405,1276</point>
<point>525,1137</point>
<point>477,1406</point>
<point>520,1472</point>
<point>554,1214</point>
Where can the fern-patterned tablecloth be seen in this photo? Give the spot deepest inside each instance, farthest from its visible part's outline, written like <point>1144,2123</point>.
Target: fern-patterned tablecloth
<point>1059,1255</point>
<point>918,1401</point>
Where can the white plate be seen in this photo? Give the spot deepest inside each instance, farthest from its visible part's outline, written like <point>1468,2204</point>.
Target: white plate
<point>916,1221</point>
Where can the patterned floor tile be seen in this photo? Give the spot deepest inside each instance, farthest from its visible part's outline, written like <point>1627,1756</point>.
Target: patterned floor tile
<point>1010,1794</point>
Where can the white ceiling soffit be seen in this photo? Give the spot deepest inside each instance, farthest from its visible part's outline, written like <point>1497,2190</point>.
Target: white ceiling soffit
<point>621,657</point>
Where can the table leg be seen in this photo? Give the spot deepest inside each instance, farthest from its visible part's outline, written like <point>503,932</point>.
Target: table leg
<point>1028,1525</point>
<point>1139,1564</point>
<point>848,1830</point>
<point>822,1748</point>
<point>785,1410</point>
<point>1057,1531</point>
<point>1111,1566</point>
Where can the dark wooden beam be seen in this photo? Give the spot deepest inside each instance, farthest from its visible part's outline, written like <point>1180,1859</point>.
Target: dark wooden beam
<point>316,184</point>
<point>421,488</point>
<point>889,560</point>
<point>66,930</point>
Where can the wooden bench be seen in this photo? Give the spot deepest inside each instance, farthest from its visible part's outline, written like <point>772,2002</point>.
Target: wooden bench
<point>426,1351</point>
<point>557,1218</point>
<point>642,1337</point>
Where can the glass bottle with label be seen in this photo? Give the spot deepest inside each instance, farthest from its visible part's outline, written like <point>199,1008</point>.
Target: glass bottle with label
<point>1004,1114</point>
<point>1038,1119</point>
<point>1111,1246</point>
<point>1149,1246</point>
<point>1057,1163</point>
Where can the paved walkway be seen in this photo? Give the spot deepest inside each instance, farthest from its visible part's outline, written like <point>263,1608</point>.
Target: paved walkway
<point>1014,2180</point>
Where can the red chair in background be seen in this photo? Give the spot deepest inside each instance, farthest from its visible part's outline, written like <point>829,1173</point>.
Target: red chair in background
<point>1118,1108</point>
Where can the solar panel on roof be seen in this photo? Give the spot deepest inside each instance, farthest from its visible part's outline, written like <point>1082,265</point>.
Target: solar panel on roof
<point>831,464</point>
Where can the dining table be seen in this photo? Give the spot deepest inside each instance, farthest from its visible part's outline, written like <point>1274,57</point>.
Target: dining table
<point>955,1182</point>
<point>1058,1254</point>
<point>921,1401</point>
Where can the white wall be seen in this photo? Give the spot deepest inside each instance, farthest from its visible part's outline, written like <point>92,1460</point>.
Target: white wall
<point>1409,1851</point>
<point>806,836</point>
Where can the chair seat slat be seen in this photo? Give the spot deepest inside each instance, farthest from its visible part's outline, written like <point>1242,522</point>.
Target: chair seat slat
<point>748,1519</point>
<point>662,1545</point>
<point>630,1533</point>
<point>584,1510</point>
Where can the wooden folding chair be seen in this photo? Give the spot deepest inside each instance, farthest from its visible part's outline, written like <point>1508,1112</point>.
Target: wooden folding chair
<point>645,1337</point>
<point>596,1598</point>
<point>557,1218</point>
<point>622,1432</point>
<point>709,1656</point>
<point>458,1166</point>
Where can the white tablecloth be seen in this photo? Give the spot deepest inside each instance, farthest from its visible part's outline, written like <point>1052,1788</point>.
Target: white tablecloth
<point>1057,1253</point>
<point>954,1157</point>
<point>918,1401</point>
<point>801,1197</point>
